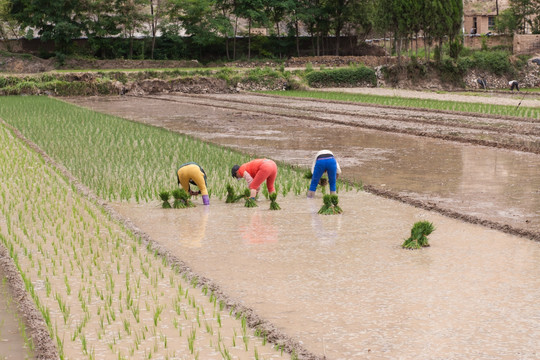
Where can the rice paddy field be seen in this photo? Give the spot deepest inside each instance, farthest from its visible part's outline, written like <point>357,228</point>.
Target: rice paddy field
<point>102,292</point>
<point>113,275</point>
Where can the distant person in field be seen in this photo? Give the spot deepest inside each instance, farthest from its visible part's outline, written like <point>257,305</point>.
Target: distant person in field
<point>513,85</point>
<point>192,173</point>
<point>482,83</point>
<point>324,161</point>
<point>255,173</point>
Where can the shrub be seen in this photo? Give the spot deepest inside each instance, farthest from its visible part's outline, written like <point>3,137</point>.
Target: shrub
<point>496,62</point>
<point>451,71</point>
<point>342,77</point>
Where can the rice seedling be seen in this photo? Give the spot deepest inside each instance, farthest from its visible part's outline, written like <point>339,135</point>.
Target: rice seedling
<point>165,196</point>
<point>416,103</point>
<point>72,135</point>
<point>419,233</point>
<point>181,199</point>
<point>231,196</point>
<point>249,201</point>
<point>273,204</point>
<point>330,205</point>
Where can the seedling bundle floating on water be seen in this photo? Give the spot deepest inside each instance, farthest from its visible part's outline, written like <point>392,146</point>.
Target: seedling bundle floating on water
<point>249,201</point>
<point>330,205</point>
<point>273,204</point>
<point>165,196</point>
<point>419,233</point>
<point>181,199</point>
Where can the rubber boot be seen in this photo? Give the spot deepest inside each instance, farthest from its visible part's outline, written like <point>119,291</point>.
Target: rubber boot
<point>205,200</point>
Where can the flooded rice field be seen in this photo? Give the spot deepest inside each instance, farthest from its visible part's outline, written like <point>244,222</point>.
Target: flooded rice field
<point>483,182</point>
<point>343,287</point>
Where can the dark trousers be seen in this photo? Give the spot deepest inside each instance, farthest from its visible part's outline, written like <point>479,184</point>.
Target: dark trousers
<point>515,85</point>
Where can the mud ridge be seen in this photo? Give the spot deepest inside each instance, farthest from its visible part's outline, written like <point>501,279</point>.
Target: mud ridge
<point>273,334</point>
<point>454,124</point>
<point>532,235</point>
<point>44,346</point>
<point>421,133</point>
<point>437,111</point>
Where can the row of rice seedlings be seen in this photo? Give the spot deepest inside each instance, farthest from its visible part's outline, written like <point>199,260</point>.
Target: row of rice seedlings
<point>121,159</point>
<point>491,109</point>
<point>101,292</point>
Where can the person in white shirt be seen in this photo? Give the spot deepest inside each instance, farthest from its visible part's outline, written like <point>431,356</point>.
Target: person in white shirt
<point>324,162</point>
<point>513,85</point>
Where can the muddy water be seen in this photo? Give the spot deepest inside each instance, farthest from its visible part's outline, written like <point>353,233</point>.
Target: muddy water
<point>343,286</point>
<point>492,184</point>
<point>12,345</point>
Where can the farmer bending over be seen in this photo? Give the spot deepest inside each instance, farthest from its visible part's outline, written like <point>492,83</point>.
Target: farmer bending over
<point>192,173</point>
<point>324,162</point>
<point>256,172</point>
<point>513,85</point>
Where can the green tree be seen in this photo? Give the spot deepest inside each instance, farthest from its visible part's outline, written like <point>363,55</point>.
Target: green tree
<point>526,14</point>
<point>8,26</point>
<point>251,10</point>
<point>506,22</point>
<point>131,17</point>
<point>60,21</point>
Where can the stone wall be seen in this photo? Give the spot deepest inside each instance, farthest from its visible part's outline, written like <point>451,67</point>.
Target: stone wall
<point>526,44</point>
<point>475,41</point>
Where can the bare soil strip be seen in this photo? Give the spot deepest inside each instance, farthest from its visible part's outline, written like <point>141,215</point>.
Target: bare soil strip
<point>501,132</point>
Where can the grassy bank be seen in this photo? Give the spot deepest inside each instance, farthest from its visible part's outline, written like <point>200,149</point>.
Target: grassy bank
<point>489,109</point>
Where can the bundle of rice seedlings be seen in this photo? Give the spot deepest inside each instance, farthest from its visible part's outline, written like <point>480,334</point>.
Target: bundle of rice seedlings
<point>249,201</point>
<point>322,181</point>
<point>419,233</point>
<point>330,205</point>
<point>335,201</point>
<point>326,209</point>
<point>231,196</point>
<point>273,204</point>
<point>181,199</point>
<point>165,196</point>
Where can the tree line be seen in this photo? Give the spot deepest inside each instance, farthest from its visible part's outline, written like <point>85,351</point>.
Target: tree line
<point>203,22</point>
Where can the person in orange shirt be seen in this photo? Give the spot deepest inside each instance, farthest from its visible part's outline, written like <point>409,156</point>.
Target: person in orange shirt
<point>256,172</point>
<point>192,173</point>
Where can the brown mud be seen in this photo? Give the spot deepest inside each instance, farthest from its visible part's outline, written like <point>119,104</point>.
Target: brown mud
<point>479,184</point>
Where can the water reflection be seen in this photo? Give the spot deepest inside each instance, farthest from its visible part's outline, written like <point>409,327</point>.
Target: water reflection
<point>260,229</point>
<point>325,227</point>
